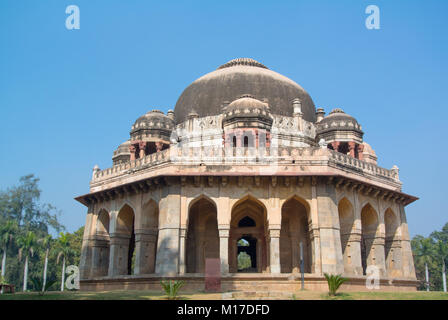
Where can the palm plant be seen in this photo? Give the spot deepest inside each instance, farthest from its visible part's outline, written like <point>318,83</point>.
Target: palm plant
<point>172,288</point>
<point>46,242</point>
<point>334,282</point>
<point>27,245</point>
<point>424,253</point>
<point>7,232</point>
<point>40,286</point>
<point>64,251</point>
<point>442,254</point>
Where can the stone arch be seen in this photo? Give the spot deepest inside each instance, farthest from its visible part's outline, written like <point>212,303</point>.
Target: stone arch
<point>369,230</point>
<point>295,221</point>
<point>349,241</point>
<point>303,201</point>
<point>125,235</point>
<point>103,222</point>
<point>197,198</point>
<point>202,241</point>
<point>392,247</point>
<point>248,207</point>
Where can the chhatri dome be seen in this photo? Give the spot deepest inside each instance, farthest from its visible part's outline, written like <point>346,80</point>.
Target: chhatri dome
<point>245,157</point>
<point>238,77</point>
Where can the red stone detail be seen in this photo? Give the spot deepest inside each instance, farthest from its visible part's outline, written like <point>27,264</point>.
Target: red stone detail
<point>132,150</point>
<point>351,148</point>
<point>335,145</point>
<point>159,146</point>
<point>212,275</point>
<point>360,151</point>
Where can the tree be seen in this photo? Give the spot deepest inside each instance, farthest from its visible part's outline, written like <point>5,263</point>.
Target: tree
<point>442,254</point>
<point>64,251</point>
<point>21,203</point>
<point>46,243</point>
<point>424,251</point>
<point>27,245</point>
<point>7,232</point>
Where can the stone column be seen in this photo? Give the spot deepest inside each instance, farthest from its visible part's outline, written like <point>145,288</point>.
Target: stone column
<point>159,146</point>
<point>330,238</point>
<point>167,258</point>
<point>233,266</point>
<point>85,259</point>
<point>352,254</point>
<point>406,250</point>
<point>360,151</point>
<point>142,147</point>
<point>224,248</point>
<point>335,145</point>
<point>145,251</point>
<point>118,256</point>
<point>394,266</point>
<point>274,244</point>
<point>376,254</point>
<point>351,148</point>
<point>182,251</point>
<point>132,151</point>
<point>100,257</point>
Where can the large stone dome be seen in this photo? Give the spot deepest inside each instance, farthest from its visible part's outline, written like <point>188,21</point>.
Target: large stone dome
<point>209,94</point>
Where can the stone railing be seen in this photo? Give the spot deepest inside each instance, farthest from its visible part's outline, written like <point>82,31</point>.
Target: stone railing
<point>366,167</point>
<point>213,155</point>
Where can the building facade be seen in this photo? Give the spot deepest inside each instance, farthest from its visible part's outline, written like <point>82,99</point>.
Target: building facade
<point>246,166</point>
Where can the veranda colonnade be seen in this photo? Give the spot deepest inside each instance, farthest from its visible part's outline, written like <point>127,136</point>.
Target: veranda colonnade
<point>209,229</point>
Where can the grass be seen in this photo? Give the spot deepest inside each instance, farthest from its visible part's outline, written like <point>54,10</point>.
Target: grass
<point>158,295</point>
<point>105,295</point>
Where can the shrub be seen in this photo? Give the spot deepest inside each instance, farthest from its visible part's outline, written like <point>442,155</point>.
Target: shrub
<point>334,282</point>
<point>172,287</point>
<point>38,283</point>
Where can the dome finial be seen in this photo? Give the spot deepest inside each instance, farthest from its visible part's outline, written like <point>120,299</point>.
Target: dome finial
<point>243,62</point>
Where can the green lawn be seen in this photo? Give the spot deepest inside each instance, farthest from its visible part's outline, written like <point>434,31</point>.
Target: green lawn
<point>153,295</point>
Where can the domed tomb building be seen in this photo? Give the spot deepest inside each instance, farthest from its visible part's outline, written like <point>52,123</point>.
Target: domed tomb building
<point>247,173</point>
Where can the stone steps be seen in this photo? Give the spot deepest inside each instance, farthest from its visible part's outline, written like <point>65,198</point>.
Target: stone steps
<point>257,295</point>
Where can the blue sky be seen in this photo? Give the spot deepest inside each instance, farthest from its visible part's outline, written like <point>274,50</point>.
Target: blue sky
<point>68,98</point>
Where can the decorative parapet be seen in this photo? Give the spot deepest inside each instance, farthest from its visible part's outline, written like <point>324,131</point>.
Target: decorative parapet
<point>276,159</point>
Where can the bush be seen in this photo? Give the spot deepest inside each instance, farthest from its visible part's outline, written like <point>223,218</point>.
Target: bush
<point>38,283</point>
<point>172,287</point>
<point>334,282</point>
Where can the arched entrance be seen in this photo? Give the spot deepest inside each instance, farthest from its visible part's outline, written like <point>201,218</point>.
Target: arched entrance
<point>247,239</point>
<point>369,226</point>
<point>125,231</point>
<point>294,230</point>
<point>202,240</point>
<point>349,240</point>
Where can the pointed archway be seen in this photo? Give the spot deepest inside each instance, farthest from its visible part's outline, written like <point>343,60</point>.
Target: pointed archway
<point>294,234</point>
<point>125,230</point>
<point>248,223</point>
<point>202,240</point>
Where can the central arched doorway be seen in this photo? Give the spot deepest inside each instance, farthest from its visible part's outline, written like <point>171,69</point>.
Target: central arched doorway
<point>295,242</point>
<point>247,243</point>
<point>125,230</point>
<point>202,240</point>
